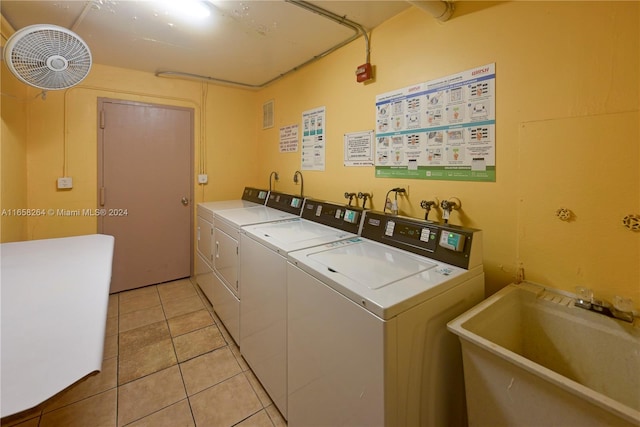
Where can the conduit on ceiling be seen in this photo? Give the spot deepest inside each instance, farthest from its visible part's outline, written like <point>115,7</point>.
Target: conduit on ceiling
<point>357,29</point>
<point>439,9</point>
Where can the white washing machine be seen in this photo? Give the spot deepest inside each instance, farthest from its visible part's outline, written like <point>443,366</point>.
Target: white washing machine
<point>263,284</point>
<point>205,211</point>
<point>226,237</point>
<point>366,320</point>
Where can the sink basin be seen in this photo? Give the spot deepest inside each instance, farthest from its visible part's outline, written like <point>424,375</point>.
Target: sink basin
<point>532,358</point>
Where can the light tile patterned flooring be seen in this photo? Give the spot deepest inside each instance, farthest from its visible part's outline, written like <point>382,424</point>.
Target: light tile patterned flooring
<point>168,361</point>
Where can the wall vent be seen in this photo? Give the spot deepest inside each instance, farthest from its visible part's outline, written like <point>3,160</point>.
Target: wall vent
<point>267,115</point>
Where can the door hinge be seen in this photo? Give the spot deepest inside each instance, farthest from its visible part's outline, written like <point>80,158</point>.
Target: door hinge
<point>102,196</point>
<point>101,119</point>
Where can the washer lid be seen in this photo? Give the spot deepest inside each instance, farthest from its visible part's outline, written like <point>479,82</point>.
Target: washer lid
<point>206,210</point>
<point>252,215</point>
<point>294,234</point>
<point>227,204</point>
<point>382,279</point>
<point>373,266</point>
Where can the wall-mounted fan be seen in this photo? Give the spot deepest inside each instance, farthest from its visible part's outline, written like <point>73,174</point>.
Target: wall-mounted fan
<point>48,57</point>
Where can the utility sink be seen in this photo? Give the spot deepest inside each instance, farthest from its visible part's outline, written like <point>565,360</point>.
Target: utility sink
<point>531,358</point>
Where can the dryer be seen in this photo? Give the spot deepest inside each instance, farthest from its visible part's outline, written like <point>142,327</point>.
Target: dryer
<point>263,284</point>
<point>366,324</point>
<point>226,237</point>
<point>204,233</point>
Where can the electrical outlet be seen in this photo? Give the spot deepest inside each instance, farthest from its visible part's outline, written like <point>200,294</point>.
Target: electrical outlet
<point>65,183</point>
<point>203,178</point>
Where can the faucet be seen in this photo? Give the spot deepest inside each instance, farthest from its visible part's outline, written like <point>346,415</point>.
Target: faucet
<point>295,180</point>
<point>622,308</point>
<point>349,196</point>
<point>274,175</point>
<point>427,205</point>
<point>448,206</point>
<point>364,197</point>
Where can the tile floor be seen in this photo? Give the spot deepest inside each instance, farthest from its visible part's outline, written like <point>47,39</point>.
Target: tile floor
<point>168,361</point>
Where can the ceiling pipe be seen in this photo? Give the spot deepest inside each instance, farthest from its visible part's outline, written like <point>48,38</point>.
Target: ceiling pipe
<point>358,30</point>
<point>342,20</point>
<point>80,18</point>
<point>6,27</point>
<point>83,14</point>
<point>441,10</point>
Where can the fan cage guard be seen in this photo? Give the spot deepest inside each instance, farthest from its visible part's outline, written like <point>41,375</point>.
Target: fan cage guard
<point>48,57</point>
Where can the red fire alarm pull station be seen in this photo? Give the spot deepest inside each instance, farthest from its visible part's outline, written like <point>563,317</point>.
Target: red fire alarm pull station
<point>363,72</point>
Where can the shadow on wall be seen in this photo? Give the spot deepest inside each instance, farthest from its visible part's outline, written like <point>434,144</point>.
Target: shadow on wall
<point>468,7</point>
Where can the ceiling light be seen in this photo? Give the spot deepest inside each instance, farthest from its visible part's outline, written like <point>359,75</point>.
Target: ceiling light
<point>194,9</point>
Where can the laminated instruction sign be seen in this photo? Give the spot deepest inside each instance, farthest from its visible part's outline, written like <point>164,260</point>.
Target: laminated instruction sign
<point>313,139</point>
<point>358,148</point>
<point>443,129</point>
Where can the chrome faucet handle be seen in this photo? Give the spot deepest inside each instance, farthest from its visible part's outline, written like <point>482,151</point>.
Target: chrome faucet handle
<point>623,304</point>
<point>364,197</point>
<point>349,196</point>
<point>427,205</point>
<point>622,308</point>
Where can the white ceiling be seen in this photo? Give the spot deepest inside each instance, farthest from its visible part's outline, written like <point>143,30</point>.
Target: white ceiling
<point>247,42</point>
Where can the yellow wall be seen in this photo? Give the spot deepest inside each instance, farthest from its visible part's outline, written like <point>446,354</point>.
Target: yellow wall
<point>554,61</point>
<point>559,67</point>
<point>64,126</point>
<point>13,154</point>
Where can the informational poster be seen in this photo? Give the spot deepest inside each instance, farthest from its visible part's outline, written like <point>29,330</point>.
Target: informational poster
<point>313,139</point>
<point>289,139</point>
<point>358,148</point>
<point>443,129</point>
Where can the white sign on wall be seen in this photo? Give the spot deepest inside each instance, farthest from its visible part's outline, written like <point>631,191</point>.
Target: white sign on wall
<point>313,139</point>
<point>442,129</point>
<point>289,139</point>
<point>358,148</point>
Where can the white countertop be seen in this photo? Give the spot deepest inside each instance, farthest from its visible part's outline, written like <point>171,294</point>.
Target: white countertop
<point>54,301</point>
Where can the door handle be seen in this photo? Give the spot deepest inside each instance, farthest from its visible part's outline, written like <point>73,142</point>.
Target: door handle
<point>185,201</point>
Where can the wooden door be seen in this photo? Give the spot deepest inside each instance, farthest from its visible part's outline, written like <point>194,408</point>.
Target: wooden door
<point>145,171</point>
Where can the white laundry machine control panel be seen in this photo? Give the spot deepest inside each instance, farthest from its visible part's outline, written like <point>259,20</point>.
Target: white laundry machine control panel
<point>346,218</point>
<point>255,195</point>
<point>285,202</point>
<point>442,242</point>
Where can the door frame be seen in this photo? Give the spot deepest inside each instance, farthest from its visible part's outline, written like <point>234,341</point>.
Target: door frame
<point>100,149</point>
